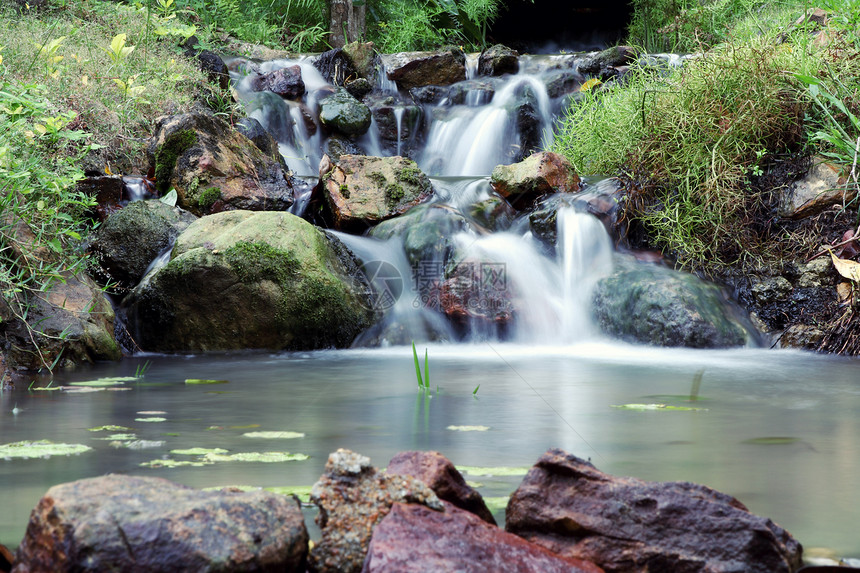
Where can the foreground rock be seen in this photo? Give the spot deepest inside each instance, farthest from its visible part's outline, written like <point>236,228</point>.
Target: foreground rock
<point>344,114</point>
<point>361,190</point>
<point>215,168</point>
<point>133,237</point>
<point>353,498</point>
<point>442,477</point>
<point>498,60</point>
<point>539,174</point>
<point>240,279</point>
<point>656,305</point>
<point>626,525</point>
<point>125,523</point>
<point>71,322</point>
<point>417,539</point>
<point>418,69</point>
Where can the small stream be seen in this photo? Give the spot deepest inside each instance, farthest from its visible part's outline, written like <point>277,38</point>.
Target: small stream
<point>777,429</point>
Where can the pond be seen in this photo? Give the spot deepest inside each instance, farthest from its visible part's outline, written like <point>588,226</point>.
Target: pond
<point>777,429</point>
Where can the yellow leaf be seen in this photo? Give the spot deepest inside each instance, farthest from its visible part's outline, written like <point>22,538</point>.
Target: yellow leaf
<point>589,85</point>
<point>1,58</point>
<point>847,268</point>
<point>40,128</point>
<point>107,170</point>
<point>84,80</point>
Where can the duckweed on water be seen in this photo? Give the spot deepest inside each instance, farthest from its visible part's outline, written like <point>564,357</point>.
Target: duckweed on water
<point>274,435</point>
<point>39,449</point>
<point>109,428</point>
<point>265,457</point>
<point>198,451</point>
<point>119,438</point>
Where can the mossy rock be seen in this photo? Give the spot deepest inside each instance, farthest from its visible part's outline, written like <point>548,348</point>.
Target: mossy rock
<point>427,232</point>
<point>241,280</point>
<point>345,114</point>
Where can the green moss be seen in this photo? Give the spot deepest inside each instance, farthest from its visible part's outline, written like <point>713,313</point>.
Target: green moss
<point>344,190</point>
<point>254,262</point>
<point>165,158</point>
<point>208,197</point>
<point>413,176</point>
<point>394,194</point>
<point>377,177</point>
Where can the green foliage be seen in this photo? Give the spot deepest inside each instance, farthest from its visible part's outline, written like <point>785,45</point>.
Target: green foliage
<point>423,382</point>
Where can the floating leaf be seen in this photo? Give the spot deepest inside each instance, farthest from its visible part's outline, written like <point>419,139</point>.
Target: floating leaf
<point>468,428</point>
<point>119,437</point>
<point>47,388</point>
<point>198,451</point>
<point>656,407</point>
<point>772,441</point>
<point>109,428</point>
<point>266,457</point>
<point>674,397</point>
<point>203,381</point>
<point>500,471</point>
<point>151,412</point>
<point>137,444</point>
<point>150,419</point>
<point>116,381</point>
<point>173,464</point>
<point>303,492</point>
<point>274,435</point>
<point>39,449</point>
<point>245,427</point>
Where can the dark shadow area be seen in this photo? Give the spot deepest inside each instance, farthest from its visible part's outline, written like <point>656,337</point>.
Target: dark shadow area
<point>549,26</point>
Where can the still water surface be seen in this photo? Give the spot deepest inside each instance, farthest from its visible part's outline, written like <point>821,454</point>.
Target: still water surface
<point>532,399</point>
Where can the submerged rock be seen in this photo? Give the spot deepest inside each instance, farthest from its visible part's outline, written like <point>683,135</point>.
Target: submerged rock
<point>498,60</point>
<point>241,279</point>
<point>361,190</point>
<point>418,69</point>
<point>215,168</point>
<point>127,243</point>
<point>442,477</point>
<point>126,523</point>
<point>345,114</point>
<point>417,539</point>
<point>627,525</point>
<point>539,174</point>
<point>656,305</point>
<point>353,498</point>
<point>427,233</point>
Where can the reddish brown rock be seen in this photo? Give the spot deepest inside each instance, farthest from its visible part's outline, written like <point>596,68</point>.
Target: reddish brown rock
<point>417,539</point>
<point>286,82</point>
<point>539,174</point>
<point>628,525</point>
<point>442,477</point>
<point>6,559</point>
<point>418,69</point>
<point>126,523</point>
<point>353,498</point>
<point>475,296</point>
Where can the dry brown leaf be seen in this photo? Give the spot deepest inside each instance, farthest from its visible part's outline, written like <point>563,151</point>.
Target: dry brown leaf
<point>846,268</point>
<point>843,292</point>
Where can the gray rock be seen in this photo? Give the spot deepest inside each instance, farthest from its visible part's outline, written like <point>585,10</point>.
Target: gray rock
<point>659,306</point>
<point>801,336</point>
<point>353,498</point>
<point>241,279</point>
<point>823,187</point>
<point>126,523</point>
<point>417,69</point>
<point>344,114</point>
<point>771,289</point>
<point>286,82</point>
<point>613,57</point>
<point>498,60</point>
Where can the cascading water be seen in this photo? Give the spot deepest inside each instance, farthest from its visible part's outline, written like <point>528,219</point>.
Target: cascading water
<point>522,293</point>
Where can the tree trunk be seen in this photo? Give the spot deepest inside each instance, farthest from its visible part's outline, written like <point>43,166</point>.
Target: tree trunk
<point>347,22</point>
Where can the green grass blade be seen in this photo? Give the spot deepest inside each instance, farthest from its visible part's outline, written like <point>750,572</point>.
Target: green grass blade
<point>426,371</point>
<point>417,366</point>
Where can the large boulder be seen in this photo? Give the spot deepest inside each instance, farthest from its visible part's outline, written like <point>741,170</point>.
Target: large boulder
<point>417,539</point>
<point>344,114</point>
<point>215,168</point>
<point>442,477</point>
<point>627,525</point>
<point>361,190</point>
<point>418,69</point>
<point>353,497</point>
<point>127,243</point>
<point>539,174</point>
<point>71,322</point>
<point>286,82</point>
<point>656,305</point>
<point>127,523</point>
<point>241,279</point>
<point>498,60</point>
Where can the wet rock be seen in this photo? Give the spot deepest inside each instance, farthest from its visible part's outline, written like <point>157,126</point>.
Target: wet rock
<point>132,238</point>
<point>771,289</point>
<point>529,122</point>
<point>562,82</point>
<point>801,336</point>
<point>353,498</point>
<point>215,168</point>
<point>361,190</point>
<point>417,69</point>
<point>442,477</point>
<point>494,213</point>
<point>627,525</point>
<point>539,174</point>
<point>610,58</point>
<point>344,114</point>
<point>358,88</point>
<point>472,92</point>
<point>241,279</point>
<point>475,298</point>
<point>338,145</point>
<point>498,60</point>
<point>335,66</point>
<point>126,523</point>
<point>213,66</point>
<point>655,305</point>
<point>286,82</point>
<point>71,322</point>
<point>426,232</point>
<point>254,130</point>
<point>415,538</point>
<point>429,94</point>
<point>816,273</point>
<point>823,187</point>
<point>362,56</point>
<point>385,109</point>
